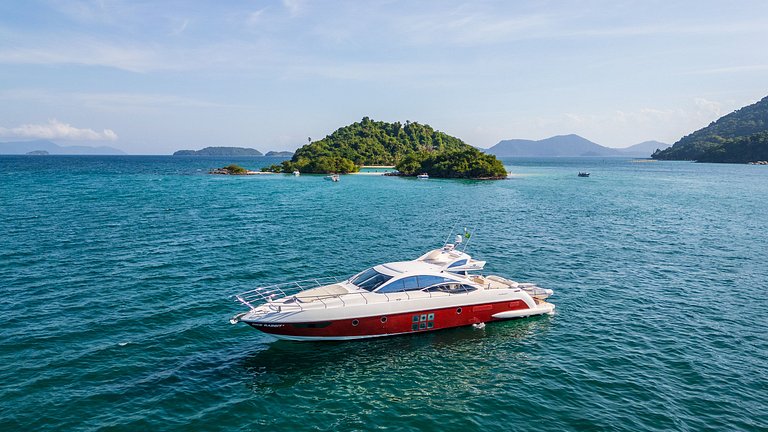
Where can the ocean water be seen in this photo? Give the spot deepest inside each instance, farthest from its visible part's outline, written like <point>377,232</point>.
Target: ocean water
<point>117,274</point>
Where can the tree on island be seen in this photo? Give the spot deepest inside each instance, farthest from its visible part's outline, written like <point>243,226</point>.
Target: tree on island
<point>463,163</point>
<point>235,169</point>
<point>371,142</point>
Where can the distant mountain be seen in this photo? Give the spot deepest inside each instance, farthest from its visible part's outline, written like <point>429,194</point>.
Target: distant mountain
<point>279,154</point>
<point>644,149</point>
<point>38,153</point>
<point>24,147</point>
<point>556,146</point>
<point>739,137</point>
<point>219,151</point>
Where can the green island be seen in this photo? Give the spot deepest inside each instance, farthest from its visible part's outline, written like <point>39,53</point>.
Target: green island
<point>739,137</point>
<point>231,169</point>
<point>412,148</point>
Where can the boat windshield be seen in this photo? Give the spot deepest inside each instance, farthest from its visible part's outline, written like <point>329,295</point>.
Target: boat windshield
<point>370,279</point>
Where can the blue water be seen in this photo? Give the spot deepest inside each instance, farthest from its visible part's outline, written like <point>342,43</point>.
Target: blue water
<point>117,274</point>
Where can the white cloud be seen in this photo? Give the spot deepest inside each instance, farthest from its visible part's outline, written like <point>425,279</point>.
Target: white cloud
<point>255,17</point>
<point>86,52</point>
<point>708,108</point>
<point>55,129</point>
<point>295,7</point>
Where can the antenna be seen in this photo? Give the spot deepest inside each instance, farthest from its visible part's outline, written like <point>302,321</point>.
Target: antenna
<point>450,233</point>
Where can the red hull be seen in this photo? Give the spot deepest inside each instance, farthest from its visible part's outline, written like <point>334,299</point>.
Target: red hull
<point>382,325</point>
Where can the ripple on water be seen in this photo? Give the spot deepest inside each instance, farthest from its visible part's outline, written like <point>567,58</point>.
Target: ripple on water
<point>118,274</point>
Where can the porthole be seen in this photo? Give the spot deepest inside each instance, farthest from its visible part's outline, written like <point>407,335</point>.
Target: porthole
<point>383,320</point>
<point>355,323</point>
<point>458,311</point>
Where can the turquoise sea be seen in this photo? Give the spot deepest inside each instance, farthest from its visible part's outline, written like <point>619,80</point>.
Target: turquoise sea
<point>116,276</point>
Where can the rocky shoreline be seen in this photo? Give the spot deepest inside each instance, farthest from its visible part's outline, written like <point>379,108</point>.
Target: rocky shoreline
<point>235,170</point>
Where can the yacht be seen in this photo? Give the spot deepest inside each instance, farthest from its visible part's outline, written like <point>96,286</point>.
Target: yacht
<point>441,289</point>
<point>296,173</point>
<point>332,177</point>
<point>423,176</point>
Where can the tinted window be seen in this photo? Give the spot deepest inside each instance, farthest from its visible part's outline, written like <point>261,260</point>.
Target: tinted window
<point>458,263</point>
<point>393,287</point>
<point>452,288</point>
<point>425,281</point>
<point>365,275</point>
<point>370,279</point>
<point>404,284</point>
<point>412,283</point>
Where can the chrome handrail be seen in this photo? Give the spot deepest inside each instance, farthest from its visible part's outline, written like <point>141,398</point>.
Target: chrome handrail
<point>285,293</point>
<point>267,294</point>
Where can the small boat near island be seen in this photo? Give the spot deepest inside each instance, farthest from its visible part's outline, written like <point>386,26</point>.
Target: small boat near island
<point>296,173</point>
<point>583,174</point>
<point>438,290</point>
<point>423,176</point>
<point>332,177</point>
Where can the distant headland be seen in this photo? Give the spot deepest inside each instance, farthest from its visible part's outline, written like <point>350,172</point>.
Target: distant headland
<point>739,137</point>
<point>569,146</point>
<point>220,151</point>
<point>285,154</point>
<point>412,148</point>
<point>36,147</point>
<point>231,151</point>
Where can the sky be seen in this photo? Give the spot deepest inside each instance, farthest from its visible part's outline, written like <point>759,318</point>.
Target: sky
<point>152,77</point>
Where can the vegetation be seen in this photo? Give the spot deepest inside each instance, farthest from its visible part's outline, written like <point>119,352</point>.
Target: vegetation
<point>321,165</point>
<point>739,150</point>
<point>412,146</point>
<point>739,137</point>
<point>219,151</point>
<point>235,169</point>
<point>467,162</point>
<point>273,169</point>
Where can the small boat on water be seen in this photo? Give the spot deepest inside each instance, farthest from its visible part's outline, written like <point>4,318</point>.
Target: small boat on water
<point>332,177</point>
<point>423,176</point>
<point>583,174</point>
<point>438,290</point>
<point>296,173</point>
